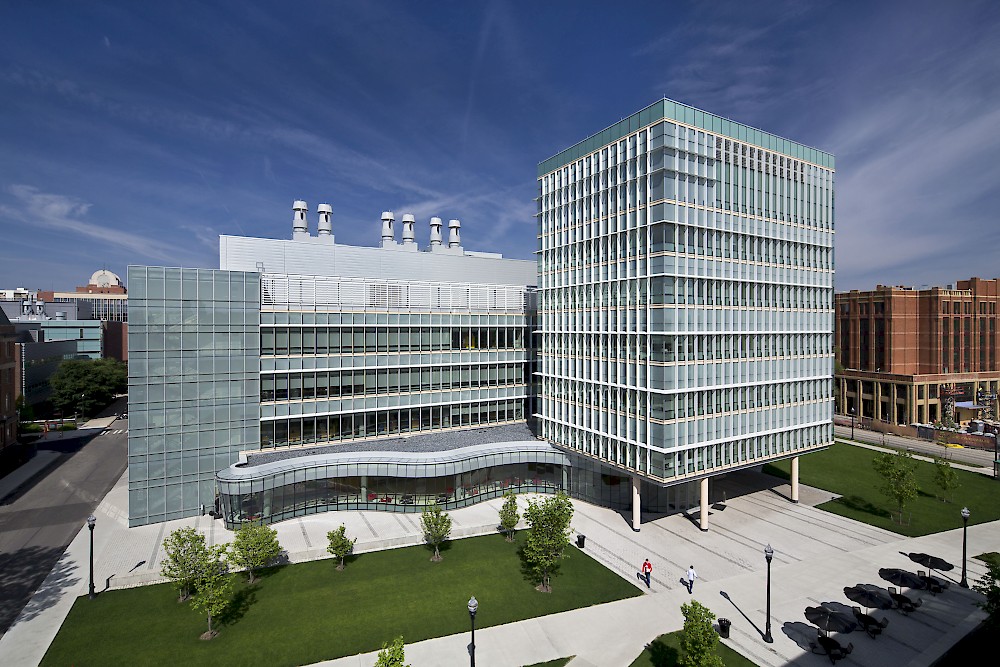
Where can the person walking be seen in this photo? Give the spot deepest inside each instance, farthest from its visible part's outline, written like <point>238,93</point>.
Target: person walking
<point>647,571</point>
<point>691,576</point>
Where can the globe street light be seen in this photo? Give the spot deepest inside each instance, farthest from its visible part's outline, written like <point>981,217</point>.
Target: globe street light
<point>768,554</point>
<point>965,525</point>
<point>473,606</point>
<point>852,423</point>
<point>91,521</point>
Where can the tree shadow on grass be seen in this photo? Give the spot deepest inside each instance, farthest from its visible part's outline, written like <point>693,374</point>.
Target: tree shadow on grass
<point>859,504</point>
<point>237,608</point>
<point>267,572</point>
<point>662,655</point>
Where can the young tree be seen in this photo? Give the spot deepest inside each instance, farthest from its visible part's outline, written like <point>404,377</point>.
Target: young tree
<point>254,547</point>
<point>437,527</point>
<point>340,545</point>
<point>698,638</point>
<point>989,585</point>
<point>548,536</point>
<point>187,554</point>
<point>509,516</point>
<point>212,587</point>
<point>899,480</point>
<point>392,655</point>
<point>945,477</point>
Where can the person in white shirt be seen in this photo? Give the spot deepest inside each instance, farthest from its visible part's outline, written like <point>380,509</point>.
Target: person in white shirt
<point>691,576</point>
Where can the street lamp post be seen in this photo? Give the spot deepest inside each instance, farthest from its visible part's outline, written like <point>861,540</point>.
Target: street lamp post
<point>91,521</point>
<point>473,606</point>
<point>768,554</point>
<point>965,525</point>
<point>852,423</point>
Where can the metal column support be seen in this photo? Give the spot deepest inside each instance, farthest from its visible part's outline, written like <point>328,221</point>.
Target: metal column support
<point>704,504</point>
<point>795,479</point>
<point>636,507</point>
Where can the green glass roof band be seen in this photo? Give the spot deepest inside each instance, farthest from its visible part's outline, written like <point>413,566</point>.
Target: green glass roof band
<point>667,109</point>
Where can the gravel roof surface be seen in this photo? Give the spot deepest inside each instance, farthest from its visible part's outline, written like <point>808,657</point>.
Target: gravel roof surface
<point>427,442</point>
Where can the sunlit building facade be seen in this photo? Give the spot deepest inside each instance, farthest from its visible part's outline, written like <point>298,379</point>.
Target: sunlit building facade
<point>685,300</point>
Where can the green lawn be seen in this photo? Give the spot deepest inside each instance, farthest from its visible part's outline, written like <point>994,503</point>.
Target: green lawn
<point>305,613</point>
<point>664,651</point>
<point>558,662</point>
<point>847,470</point>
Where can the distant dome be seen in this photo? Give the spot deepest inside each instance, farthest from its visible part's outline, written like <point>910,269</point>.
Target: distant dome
<point>105,278</point>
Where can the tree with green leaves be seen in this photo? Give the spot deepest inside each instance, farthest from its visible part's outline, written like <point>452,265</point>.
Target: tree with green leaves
<point>509,516</point>
<point>213,586</point>
<point>989,586</point>
<point>186,556</point>
<point>340,545</point>
<point>699,640</point>
<point>254,547</point>
<point>548,536</point>
<point>392,654</point>
<point>898,477</point>
<point>945,477</point>
<point>437,528</point>
<point>87,384</point>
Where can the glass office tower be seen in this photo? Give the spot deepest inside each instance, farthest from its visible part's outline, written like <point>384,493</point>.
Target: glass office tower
<point>685,298</point>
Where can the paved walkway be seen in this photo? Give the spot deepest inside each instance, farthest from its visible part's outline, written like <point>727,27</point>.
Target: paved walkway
<point>816,555</point>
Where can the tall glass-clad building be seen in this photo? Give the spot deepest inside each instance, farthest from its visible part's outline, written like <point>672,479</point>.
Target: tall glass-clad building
<point>685,299</point>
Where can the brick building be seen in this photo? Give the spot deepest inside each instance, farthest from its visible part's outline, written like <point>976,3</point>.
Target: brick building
<point>909,355</point>
<point>8,390</point>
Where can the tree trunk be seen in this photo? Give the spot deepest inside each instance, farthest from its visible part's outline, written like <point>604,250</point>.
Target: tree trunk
<point>341,566</point>
<point>250,572</point>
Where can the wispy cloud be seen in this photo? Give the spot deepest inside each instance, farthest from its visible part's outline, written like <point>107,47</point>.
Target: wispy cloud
<point>33,208</point>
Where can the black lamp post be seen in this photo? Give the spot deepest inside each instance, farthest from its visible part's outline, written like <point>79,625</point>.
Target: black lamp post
<point>965,525</point>
<point>473,606</point>
<point>852,423</point>
<point>91,522</point>
<point>768,554</point>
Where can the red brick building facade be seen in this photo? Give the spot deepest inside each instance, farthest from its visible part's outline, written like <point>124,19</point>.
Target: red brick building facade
<point>918,355</point>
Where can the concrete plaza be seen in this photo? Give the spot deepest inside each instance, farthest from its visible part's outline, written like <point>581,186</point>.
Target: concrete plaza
<point>817,554</point>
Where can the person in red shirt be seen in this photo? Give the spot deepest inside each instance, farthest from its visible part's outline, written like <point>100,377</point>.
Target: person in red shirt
<point>647,571</point>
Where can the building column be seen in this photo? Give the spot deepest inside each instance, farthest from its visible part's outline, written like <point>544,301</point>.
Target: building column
<point>795,479</point>
<point>704,504</point>
<point>364,488</point>
<point>636,507</point>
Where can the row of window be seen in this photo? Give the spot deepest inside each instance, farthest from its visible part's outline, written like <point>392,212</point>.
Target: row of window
<point>334,384</point>
<point>331,428</point>
<point>686,347</point>
<point>282,341</point>
<point>296,498</point>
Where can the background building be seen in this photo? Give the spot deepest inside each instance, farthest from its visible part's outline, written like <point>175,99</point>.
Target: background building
<point>8,390</point>
<point>685,283</point>
<point>918,355</point>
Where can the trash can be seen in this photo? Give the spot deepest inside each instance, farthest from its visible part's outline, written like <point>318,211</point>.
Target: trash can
<point>580,539</point>
<point>724,624</point>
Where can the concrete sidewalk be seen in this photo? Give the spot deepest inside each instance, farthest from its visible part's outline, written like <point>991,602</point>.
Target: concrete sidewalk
<point>816,555</point>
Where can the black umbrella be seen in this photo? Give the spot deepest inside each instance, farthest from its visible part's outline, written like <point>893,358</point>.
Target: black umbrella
<point>829,619</point>
<point>903,578</point>
<point>931,562</point>
<point>869,596</point>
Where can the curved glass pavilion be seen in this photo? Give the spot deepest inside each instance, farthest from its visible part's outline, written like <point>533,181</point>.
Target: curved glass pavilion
<point>273,490</point>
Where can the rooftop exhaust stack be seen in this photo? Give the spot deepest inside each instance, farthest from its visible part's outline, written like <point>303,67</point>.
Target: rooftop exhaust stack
<point>408,222</point>
<point>435,232</point>
<point>300,226</point>
<point>388,231</point>
<point>454,241</point>
<point>325,225</point>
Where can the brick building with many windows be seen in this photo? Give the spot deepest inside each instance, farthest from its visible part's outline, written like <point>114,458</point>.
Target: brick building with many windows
<point>909,355</point>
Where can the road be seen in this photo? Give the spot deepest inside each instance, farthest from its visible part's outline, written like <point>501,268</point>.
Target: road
<point>37,524</point>
<point>979,457</point>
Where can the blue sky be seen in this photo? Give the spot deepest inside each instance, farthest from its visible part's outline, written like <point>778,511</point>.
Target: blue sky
<point>136,133</point>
